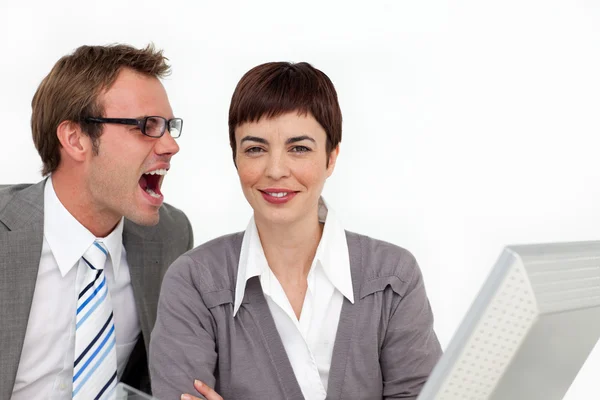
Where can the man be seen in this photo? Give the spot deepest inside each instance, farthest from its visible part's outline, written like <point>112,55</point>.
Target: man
<point>83,252</point>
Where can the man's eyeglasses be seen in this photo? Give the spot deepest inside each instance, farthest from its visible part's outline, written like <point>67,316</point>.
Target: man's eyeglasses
<point>152,126</point>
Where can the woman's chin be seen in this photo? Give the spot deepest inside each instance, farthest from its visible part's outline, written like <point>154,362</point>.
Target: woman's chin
<point>276,217</point>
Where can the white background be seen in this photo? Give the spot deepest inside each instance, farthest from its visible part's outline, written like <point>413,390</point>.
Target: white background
<point>468,125</point>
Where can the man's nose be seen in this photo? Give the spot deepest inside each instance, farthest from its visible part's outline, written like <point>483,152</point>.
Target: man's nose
<point>167,145</point>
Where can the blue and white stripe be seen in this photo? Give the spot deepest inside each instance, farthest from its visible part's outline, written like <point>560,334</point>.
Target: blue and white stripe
<point>95,363</point>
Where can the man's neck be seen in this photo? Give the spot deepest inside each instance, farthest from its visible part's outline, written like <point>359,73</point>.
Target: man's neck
<point>72,194</point>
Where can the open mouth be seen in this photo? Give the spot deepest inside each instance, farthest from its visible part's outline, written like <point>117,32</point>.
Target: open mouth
<point>151,181</point>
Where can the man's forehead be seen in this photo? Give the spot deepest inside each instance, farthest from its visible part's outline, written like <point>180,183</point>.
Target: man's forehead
<point>133,91</point>
<point>132,83</point>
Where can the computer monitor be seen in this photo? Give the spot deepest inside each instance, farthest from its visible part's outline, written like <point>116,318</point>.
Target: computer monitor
<point>126,392</point>
<point>529,330</point>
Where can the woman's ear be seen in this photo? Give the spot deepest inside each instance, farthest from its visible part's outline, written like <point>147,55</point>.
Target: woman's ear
<point>332,159</point>
<point>75,144</point>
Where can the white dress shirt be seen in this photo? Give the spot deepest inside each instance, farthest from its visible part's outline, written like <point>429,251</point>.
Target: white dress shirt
<point>308,341</point>
<point>46,365</point>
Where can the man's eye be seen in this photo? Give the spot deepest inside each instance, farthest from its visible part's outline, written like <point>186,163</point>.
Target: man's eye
<point>253,150</point>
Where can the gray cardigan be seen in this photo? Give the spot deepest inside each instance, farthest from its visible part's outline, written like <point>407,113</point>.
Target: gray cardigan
<point>385,345</point>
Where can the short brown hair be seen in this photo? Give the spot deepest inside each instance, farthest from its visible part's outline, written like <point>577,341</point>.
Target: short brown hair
<point>70,92</point>
<point>276,88</point>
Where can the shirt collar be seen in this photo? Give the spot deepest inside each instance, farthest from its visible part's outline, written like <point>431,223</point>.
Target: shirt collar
<point>252,262</point>
<point>114,244</point>
<point>332,254</point>
<point>69,240</point>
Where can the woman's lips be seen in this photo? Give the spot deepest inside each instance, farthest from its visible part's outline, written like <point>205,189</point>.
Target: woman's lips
<point>278,196</point>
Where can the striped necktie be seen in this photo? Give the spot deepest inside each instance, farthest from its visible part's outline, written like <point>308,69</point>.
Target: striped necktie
<point>95,364</point>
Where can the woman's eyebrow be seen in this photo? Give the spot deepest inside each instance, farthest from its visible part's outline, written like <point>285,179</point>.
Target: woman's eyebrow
<point>253,139</point>
<point>299,139</point>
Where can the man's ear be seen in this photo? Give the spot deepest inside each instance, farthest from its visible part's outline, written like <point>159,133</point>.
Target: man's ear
<point>74,142</point>
<point>332,159</point>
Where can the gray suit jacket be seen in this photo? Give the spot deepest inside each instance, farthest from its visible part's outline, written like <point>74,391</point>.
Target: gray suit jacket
<point>385,345</point>
<point>150,250</point>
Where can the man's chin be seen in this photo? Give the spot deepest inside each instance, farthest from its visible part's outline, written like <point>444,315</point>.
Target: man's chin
<point>153,222</point>
<point>145,219</point>
<point>145,210</point>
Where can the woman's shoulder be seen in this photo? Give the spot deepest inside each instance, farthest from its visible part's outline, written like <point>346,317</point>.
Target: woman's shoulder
<point>212,265</point>
<point>379,259</point>
<point>216,249</point>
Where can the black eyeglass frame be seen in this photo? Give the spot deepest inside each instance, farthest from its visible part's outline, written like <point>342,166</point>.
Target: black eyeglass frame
<point>140,123</point>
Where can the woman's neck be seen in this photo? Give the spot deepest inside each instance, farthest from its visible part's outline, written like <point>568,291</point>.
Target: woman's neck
<point>290,248</point>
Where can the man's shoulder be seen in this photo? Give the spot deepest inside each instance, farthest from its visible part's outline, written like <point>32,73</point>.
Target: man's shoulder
<point>13,188</point>
<point>171,216</point>
<point>21,204</point>
<point>8,192</point>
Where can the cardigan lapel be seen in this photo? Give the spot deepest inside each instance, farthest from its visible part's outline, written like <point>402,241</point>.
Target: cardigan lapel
<point>346,330</point>
<point>257,305</point>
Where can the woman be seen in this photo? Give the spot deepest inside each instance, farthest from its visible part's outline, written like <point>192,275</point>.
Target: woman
<point>294,307</point>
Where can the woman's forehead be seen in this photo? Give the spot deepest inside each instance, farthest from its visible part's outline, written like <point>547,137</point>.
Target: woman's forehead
<point>282,127</point>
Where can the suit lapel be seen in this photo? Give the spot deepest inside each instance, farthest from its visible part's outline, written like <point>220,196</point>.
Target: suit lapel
<point>346,329</point>
<point>20,252</point>
<point>144,257</point>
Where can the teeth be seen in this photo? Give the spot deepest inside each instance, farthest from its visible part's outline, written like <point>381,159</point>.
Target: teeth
<point>157,172</point>
<point>277,194</point>
<point>152,193</point>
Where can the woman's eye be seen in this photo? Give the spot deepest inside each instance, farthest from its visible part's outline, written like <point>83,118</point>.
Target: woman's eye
<point>300,149</point>
<point>253,150</point>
